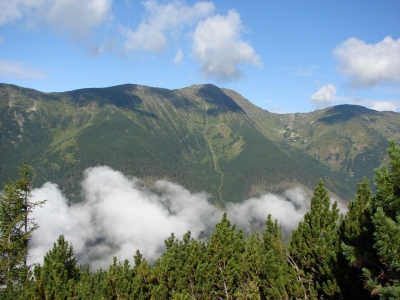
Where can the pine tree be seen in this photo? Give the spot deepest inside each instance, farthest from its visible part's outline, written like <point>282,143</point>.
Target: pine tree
<point>144,279</point>
<point>16,228</point>
<point>222,271</point>
<point>253,268</point>
<point>357,241</point>
<point>314,247</point>
<point>383,277</point>
<point>59,273</point>
<point>280,280</point>
<point>266,265</point>
<point>387,244</point>
<point>166,269</point>
<point>176,270</point>
<point>118,281</point>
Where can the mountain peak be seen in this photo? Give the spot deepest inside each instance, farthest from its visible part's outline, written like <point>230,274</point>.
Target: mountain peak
<point>345,112</point>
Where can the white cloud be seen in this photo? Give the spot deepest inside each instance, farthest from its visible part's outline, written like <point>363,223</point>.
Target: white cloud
<point>10,11</point>
<point>1,40</point>
<point>77,18</point>
<point>384,106</point>
<point>163,20</point>
<point>20,70</point>
<point>121,215</point>
<point>369,64</point>
<point>252,213</point>
<point>179,56</point>
<point>324,96</point>
<point>217,45</point>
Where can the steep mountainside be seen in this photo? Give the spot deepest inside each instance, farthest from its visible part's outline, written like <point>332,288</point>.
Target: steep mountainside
<point>348,138</point>
<point>202,137</point>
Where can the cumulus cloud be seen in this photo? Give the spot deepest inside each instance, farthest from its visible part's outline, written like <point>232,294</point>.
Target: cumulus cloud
<point>218,47</point>
<point>121,215</point>
<point>77,18</point>
<point>20,70</point>
<point>163,21</point>
<point>369,64</point>
<point>324,96</point>
<point>384,106</point>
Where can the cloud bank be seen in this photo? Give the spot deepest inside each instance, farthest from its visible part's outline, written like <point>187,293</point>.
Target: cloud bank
<point>121,215</point>
<point>368,65</point>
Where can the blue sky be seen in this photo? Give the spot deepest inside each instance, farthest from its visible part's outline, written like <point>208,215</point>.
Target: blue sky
<point>283,56</point>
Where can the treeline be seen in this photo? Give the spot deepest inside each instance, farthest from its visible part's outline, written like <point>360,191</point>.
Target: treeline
<point>356,256</point>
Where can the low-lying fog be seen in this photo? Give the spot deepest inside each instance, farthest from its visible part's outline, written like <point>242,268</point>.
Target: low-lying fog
<point>121,215</point>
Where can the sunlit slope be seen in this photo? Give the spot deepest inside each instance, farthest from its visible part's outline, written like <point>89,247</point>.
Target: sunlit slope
<point>202,137</point>
<point>348,138</point>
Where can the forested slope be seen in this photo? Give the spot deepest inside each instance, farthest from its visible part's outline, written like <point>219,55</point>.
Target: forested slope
<point>202,137</point>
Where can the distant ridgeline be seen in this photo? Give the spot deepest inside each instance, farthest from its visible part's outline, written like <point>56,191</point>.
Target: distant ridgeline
<point>202,137</point>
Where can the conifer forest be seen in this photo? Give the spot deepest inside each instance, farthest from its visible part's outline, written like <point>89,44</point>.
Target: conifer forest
<point>329,256</point>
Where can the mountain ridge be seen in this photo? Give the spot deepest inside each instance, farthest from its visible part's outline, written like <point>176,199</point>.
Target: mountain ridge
<point>202,137</point>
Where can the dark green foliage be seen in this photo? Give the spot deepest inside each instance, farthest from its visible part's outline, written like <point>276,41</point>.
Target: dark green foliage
<point>177,269</point>
<point>383,277</point>
<point>221,271</point>
<point>387,181</point>
<point>370,234</point>
<point>59,273</point>
<point>266,265</point>
<point>357,240</point>
<point>387,241</point>
<point>357,226</point>
<point>16,228</point>
<point>144,278</point>
<point>118,281</point>
<point>314,247</point>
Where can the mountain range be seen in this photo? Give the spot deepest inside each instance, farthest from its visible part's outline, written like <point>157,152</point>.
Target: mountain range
<point>202,137</point>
